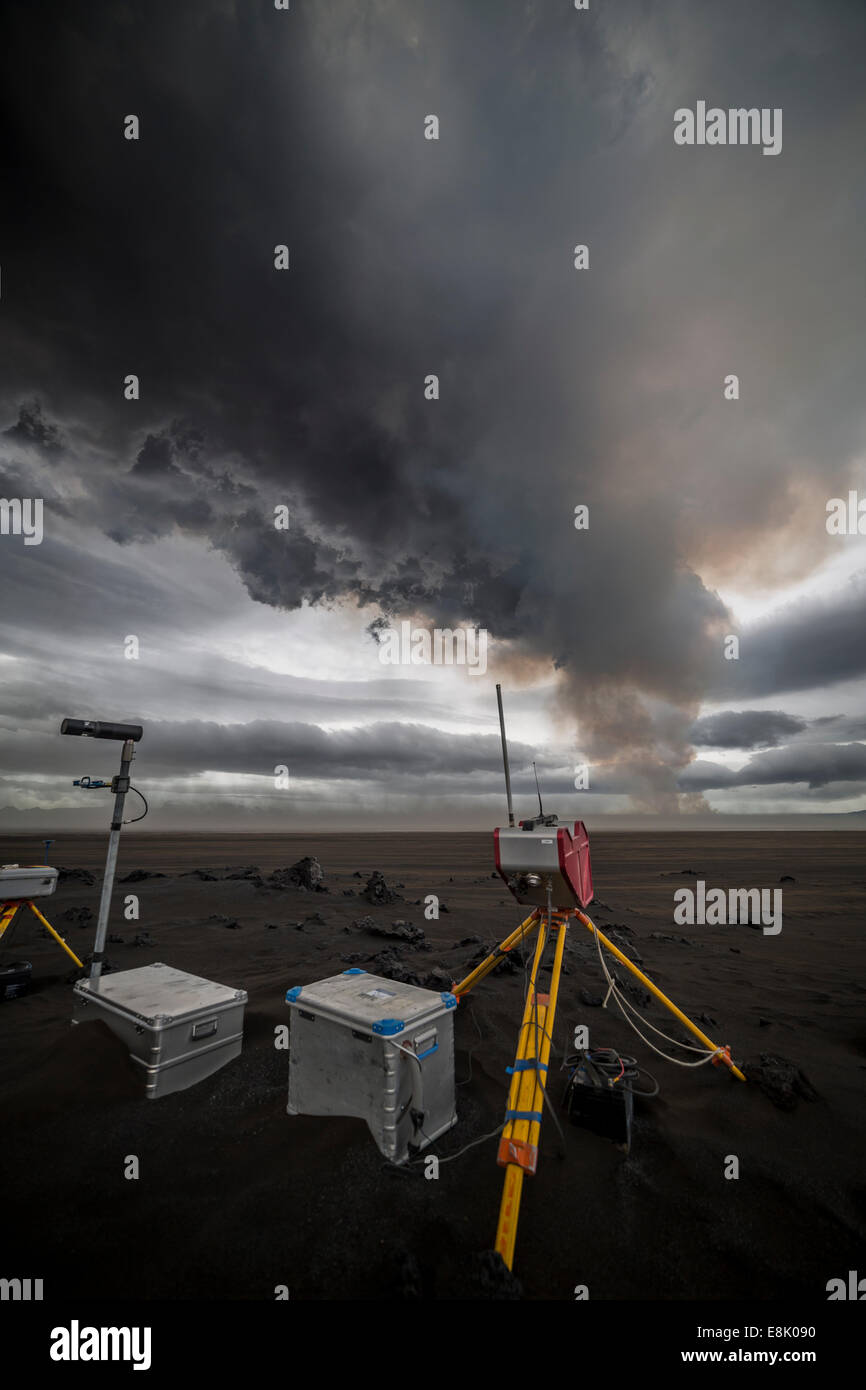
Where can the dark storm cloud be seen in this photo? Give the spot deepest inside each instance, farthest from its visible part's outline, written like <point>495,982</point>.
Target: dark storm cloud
<point>750,728</point>
<point>840,726</point>
<point>812,644</point>
<point>815,764</point>
<point>379,751</point>
<point>31,428</point>
<point>409,257</point>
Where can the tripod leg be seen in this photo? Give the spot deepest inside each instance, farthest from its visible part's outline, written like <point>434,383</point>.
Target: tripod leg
<point>7,914</point>
<point>647,982</point>
<point>518,1148</point>
<point>58,939</point>
<point>490,962</point>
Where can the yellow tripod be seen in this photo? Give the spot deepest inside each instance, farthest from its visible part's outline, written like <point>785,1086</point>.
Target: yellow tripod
<point>518,1147</point>
<point>8,911</point>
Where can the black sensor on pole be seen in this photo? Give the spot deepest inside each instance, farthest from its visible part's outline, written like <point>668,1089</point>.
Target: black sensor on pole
<point>98,728</point>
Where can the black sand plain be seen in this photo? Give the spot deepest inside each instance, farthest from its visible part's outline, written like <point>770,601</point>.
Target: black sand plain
<point>235,1197</point>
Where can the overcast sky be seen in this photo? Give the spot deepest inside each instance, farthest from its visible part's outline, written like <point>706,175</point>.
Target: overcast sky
<point>304,388</point>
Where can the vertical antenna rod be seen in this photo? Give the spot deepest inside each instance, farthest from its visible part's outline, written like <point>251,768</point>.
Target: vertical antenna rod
<point>505,755</point>
<point>538,790</point>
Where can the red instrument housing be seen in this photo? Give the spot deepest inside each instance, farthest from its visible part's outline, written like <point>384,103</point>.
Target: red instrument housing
<point>556,852</point>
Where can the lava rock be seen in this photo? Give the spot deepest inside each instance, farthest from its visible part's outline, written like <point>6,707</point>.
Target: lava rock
<point>143,938</point>
<point>76,876</point>
<point>249,871</point>
<point>399,931</point>
<point>203,874</point>
<point>508,965</point>
<point>439,979</point>
<point>495,1278</point>
<point>140,875</point>
<point>388,964</point>
<point>78,916</point>
<point>304,873</point>
<point>782,1081</point>
<point>84,973</point>
<point>218,919</point>
<point>377,890</point>
<point>592,1001</point>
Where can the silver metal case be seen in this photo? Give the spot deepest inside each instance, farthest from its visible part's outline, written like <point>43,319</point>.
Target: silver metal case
<point>179,1028</point>
<point>365,1046</point>
<point>19,884</point>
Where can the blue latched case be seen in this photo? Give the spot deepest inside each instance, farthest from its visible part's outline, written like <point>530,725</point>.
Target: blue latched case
<point>377,1049</point>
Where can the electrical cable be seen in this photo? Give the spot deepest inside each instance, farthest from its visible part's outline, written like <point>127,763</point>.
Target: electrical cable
<point>623,1005</point>
<point>606,1061</point>
<point>471,1050</point>
<point>422,1158</point>
<point>133,820</point>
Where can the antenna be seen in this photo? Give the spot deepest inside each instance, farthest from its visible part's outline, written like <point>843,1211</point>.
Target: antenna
<point>538,789</point>
<point>505,756</point>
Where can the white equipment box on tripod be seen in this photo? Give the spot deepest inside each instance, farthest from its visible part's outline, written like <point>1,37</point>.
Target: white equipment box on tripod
<point>382,1051</point>
<point>19,884</point>
<point>179,1028</point>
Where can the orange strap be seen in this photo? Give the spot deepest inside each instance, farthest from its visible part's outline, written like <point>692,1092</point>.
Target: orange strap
<point>518,1152</point>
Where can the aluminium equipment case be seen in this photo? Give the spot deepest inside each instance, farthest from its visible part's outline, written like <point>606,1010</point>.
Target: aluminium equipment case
<point>376,1049</point>
<point>20,884</point>
<point>179,1028</point>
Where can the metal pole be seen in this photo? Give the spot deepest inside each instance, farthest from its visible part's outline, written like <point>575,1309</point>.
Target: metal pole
<point>120,786</point>
<point>505,755</point>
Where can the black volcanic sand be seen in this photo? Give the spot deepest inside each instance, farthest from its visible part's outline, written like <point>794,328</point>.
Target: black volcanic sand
<point>235,1197</point>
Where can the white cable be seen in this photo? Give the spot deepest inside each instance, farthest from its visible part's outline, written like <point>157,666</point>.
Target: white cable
<point>717,1052</point>
<point>620,996</point>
